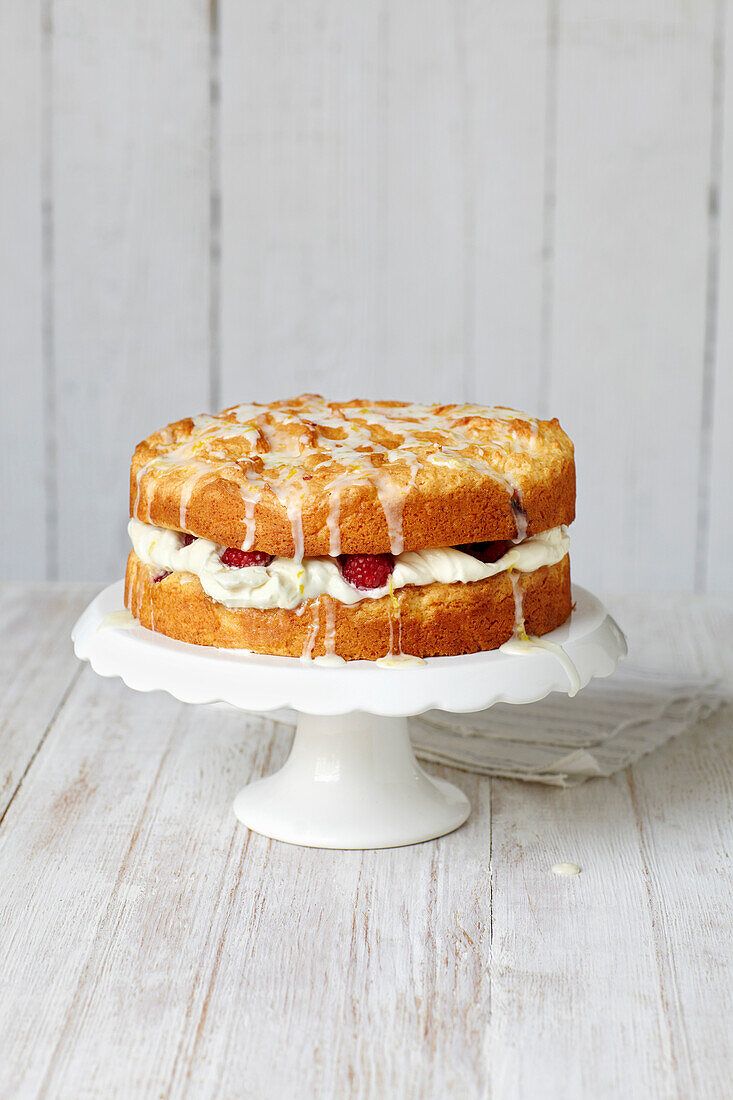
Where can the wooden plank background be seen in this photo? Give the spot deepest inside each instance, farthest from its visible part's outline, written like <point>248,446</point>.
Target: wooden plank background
<point>521,203</point>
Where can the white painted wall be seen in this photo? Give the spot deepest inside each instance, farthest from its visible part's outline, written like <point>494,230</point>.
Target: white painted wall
<point>499,200</point>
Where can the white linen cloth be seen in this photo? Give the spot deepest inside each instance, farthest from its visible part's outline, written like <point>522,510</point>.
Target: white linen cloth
<point>610,724</point>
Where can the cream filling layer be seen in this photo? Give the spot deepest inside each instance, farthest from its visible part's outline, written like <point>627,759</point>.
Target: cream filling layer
<point>286,582</point>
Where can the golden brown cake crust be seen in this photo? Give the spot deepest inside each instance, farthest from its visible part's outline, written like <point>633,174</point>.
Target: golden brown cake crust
<point>254,474</point>
<point>430,620</point>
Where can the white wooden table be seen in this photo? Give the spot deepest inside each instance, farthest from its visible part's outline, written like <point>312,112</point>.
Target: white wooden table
<point>150,946</point>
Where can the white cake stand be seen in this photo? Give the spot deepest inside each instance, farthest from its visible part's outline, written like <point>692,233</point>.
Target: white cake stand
<point>351,780</point>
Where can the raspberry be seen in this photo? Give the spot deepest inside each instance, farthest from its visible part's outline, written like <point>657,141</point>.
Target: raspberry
<point>186,539</point>
<point>240,559</point>
<point>366,571</point>
<point>487,552</point>
<point>161,576</point>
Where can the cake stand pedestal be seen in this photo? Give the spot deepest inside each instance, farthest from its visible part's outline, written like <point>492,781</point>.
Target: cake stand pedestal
<point>351,780</point>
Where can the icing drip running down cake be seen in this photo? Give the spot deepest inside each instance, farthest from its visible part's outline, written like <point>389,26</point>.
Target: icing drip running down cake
<point>352,530</point>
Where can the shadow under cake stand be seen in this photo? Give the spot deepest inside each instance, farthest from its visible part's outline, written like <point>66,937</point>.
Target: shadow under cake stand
<point>351,780</point>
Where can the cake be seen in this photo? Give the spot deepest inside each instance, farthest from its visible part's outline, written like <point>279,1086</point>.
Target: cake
<point>352,530</point>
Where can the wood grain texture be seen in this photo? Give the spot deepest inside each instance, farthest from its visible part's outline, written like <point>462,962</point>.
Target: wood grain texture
<point>718,513</point>
<point>506,59</point>
<point>35,623</point>
<point>304,142</point>
<point>131,251</point>
<point>682,851</point>
<point>382,200</point>
<point>629,293</point>
<point>508,202</point>
<point>137,915</point>
<point>22,470</point>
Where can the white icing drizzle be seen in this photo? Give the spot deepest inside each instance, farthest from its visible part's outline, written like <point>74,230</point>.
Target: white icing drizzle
<point>187,492</point>
<point>330,658</point>
<point>392,498</point>
<point>390,652</point>
<point>310,640</point>
<point>329,639</point>
<point>519,631</point>
<point>138,483</point>
<point>249,517</point>
<point>520,516</point>
<point>522,643</point>
<point>295,515</point>
<point>121,620</point>
<point>334,515</point>
<point>531,643</point>
<point>399,660</point>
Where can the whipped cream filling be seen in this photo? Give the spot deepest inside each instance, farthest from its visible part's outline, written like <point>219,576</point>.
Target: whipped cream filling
<point>286,582</point>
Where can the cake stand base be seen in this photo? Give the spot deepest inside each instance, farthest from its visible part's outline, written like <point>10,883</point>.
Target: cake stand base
<point>351,781</point>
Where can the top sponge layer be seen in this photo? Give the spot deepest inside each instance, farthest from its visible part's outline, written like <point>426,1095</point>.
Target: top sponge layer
<point>310,477</point>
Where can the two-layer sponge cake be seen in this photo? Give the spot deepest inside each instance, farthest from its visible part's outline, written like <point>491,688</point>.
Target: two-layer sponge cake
<point>352,529</point>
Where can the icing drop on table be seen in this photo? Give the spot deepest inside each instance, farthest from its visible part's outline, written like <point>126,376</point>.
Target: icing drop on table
<point>565,869</point>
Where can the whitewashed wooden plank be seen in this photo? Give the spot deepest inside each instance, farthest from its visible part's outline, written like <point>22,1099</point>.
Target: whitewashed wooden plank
<point>690,635</point>
<point>507,64</point>
<point>633,163</point>
<point>686,838</point>
<point>108,878</point>
<point>22,420</point>
<point>166,928</point>
<point>344,158</point>
<point>131,258</point>
<point>37,667</point>
<point>367,972</point>
<point>600,979</point>
<point>719,514</point>
<point>575,998</point>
